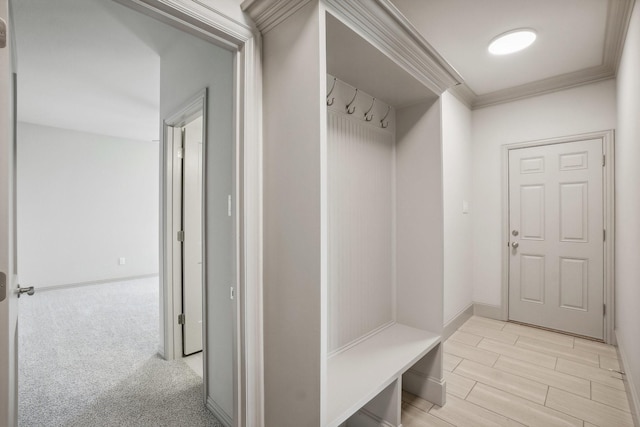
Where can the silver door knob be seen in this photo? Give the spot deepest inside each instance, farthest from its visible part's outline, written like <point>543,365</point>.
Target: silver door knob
<point>515,245</point>
<point>27,290</point>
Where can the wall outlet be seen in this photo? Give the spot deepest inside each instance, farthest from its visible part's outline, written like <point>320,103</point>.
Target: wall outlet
<point>122,261</point>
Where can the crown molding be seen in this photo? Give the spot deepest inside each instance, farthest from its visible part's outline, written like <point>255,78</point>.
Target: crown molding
<point>618,17</point>
<point>464,94</point>
<point>269,13</point>
<point>381,24</point>
<point>540,87</point>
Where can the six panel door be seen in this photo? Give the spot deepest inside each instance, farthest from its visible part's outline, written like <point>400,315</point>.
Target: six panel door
<point>556,237</point>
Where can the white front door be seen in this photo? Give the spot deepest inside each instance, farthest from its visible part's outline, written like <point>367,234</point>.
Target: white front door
<point>192,246</point>
<point>556,236</point>
<point>8,270</point>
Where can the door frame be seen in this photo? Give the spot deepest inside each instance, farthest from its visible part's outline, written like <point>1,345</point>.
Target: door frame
<point>224,24</point>
<point>608,186</point>
<point>171,300</point>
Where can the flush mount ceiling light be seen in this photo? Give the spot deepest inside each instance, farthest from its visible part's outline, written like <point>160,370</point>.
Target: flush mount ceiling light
<point>512,41</point>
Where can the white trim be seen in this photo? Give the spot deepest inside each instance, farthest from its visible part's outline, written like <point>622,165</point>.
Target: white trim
<point>224,24</point>
<point>608,220</point>
<point>219,413</point>
<point>633,394</point>
<point>382,25</point>
<point>458,320</point>
<point>489,311</point>
<point>429,388</point>
<point>173,333</point>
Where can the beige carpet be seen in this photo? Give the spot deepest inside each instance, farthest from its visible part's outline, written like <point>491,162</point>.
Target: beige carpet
<point>88,358</point>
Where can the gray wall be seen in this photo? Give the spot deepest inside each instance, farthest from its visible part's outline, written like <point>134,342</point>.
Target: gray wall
<point>628,207</point>
<point>84,201</point>
<point>587,108</point>
<point>189,66</point>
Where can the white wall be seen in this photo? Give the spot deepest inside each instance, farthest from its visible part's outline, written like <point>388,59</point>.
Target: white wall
<point>573,111</point>
<point>188,67</point>
<point>84,201</point>
<point>457,171</point>
<point>627,178</point>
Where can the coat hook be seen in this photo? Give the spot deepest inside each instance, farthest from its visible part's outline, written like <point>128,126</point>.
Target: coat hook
<point>382,123</point>
<point>368,117</point>
<point>333,86</point>
<point>349,109</point>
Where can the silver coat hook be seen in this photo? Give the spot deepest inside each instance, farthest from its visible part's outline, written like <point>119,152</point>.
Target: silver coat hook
<point>368,117</point>
<point>333,86</point>
<point>351,110</point>
<point>382,123</point>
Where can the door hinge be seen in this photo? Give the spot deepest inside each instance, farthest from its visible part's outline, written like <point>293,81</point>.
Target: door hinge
<point>3,33</point>
<point>180,153</point>
<point>604,309</point>
<point>229,205</point>
<point>603,159</point>
<point>181,320</point>
<point>181,236</point>
<point>604,235</point>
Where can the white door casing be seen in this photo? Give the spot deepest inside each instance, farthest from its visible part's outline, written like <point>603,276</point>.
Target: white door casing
<point>8,264</point>
<point>556,223</point>
<point>192,301</point>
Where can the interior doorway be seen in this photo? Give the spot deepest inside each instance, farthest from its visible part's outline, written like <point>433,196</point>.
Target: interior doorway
<point>185,133</point>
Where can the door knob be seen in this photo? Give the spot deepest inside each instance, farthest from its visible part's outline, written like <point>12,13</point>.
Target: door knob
<point>515,245</point>
<point>28,290</point>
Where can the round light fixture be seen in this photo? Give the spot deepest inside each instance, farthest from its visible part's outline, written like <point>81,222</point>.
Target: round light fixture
<point>512,41</point>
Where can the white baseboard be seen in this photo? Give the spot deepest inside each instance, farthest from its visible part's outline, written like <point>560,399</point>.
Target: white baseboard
<point>219,413</point>
<point>632,391</point>
<point>487,310</point>
<point>93,282</point>
<point>430,389</point>
<point>364,418</point>
<point>451,326</point>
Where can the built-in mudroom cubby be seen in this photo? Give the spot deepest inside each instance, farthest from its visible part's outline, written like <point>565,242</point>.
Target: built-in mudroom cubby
<point>353,214</point>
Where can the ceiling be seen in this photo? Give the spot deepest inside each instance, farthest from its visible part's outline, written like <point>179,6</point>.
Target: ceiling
<point>94,65</point>
<point>579,41</point>
<point>90,65</point>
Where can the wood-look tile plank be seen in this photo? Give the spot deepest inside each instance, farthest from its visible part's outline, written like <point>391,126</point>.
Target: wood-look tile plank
<point>609,396</point>
<point>466,338</point>
<point>471,353</point>
<point>519,386</point>
<point>519,353</point>
<point>558,350</point>
<point>457,385</point>
<point>450,361</point>
<point>591,373</point>
<point>545,376</point>
<point>609,363</point>
<point>588,410</point>
<point>596,347</point>
<point>414,417</point>
<point>461,413</point>
<point>484,321</point>
<point>521,410</point>
<point>539,334</point>
<point>494,334</point>
<point>416,401</point>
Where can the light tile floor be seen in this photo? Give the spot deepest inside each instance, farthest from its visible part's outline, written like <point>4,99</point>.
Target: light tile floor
<point>504,374</point>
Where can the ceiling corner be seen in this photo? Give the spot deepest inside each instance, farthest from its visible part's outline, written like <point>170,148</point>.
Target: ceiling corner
<point>618,17</point>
